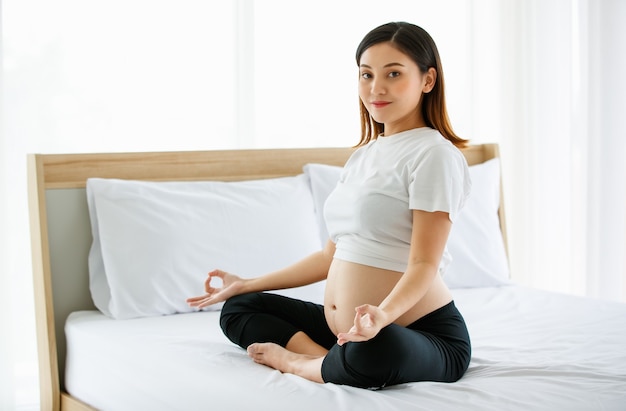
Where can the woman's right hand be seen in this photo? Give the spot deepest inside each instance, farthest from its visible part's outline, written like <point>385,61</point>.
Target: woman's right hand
<point>231,285</point>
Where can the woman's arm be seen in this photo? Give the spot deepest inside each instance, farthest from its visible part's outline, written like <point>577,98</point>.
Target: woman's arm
<point>309,270</point>
<point>428,240</point>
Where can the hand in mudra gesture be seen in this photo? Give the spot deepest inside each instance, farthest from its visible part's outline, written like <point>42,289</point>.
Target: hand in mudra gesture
<point>231,286</point>
<point>368,322</point>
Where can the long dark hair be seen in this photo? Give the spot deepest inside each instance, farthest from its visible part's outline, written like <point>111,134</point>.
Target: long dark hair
<point>416,43</point>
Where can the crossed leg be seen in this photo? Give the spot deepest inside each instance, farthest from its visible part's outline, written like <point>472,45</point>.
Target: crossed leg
<point>302,356</point>
<point>279,321</point>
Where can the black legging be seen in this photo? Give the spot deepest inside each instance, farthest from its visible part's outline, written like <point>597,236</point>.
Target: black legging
<point>434,348</point>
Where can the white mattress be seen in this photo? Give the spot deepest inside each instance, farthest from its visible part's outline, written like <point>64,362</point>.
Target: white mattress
<point>532,350</point>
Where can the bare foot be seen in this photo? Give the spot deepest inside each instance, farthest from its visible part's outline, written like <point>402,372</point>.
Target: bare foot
<point>283,360</point>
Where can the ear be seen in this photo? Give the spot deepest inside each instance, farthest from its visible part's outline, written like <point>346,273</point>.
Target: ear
<point>430,78</point>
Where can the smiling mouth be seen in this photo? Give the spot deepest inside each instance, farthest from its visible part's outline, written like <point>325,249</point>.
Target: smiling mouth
<point>380,104</point>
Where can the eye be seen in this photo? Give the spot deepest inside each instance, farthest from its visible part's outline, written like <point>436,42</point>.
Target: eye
<point>394,74</point>
<point>366,76</point>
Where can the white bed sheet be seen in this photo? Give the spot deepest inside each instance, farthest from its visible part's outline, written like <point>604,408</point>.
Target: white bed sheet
<point>532,350</point>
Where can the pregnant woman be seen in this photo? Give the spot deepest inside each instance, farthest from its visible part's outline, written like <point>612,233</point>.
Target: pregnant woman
<point>388,317</point>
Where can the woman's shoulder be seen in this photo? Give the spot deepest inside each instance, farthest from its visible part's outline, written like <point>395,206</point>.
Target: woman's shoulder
<point>430,144</point>
<point>411,146</point>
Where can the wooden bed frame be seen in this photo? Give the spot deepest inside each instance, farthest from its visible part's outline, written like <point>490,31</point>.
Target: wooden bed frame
<point>61,231</point>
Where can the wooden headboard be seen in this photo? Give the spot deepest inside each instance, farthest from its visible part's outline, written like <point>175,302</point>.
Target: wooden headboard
<point>61,231</point>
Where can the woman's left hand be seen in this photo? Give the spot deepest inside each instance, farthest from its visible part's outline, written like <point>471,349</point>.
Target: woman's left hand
<point>368,321</point>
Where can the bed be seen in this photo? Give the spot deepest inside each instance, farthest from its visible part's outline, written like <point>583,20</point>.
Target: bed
<point>532,349</point>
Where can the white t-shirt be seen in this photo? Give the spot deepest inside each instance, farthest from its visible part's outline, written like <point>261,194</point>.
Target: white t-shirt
<point>369,216</point>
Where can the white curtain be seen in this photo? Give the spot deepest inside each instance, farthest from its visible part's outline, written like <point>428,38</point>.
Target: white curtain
<point>606,90</point>
<point>540,77</point>
<point>564,143</point>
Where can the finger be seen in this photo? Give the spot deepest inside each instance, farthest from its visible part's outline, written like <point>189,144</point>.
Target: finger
<point>366,320</point>
<point>209,300</point>
<point>357,323</point>
<point>201,302</point>
<point>194,299</point>
<point>193,303</point>
<point>207,283</point>
<point>217,273</point>
<point>343,338</point>
<point>361,308</point>
<point>351,332</point>
<point>362,322</point>
<point>368,314</point>
<point>206,303</point>
<point>365,309</point>
<point>196,304</point>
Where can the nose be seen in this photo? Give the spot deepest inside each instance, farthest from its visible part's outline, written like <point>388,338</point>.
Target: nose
<point>377,86</point>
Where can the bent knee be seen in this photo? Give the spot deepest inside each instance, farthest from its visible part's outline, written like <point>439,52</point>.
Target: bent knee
<point>386,360</point>
<point>362,364</point>
<point>235,312</point>
<point>240,303</point>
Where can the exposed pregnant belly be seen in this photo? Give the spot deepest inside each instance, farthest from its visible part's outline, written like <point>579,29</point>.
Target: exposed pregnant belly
<point>349,285</point>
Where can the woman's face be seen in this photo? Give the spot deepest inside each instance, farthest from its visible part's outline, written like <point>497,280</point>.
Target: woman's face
<point>391,87</point>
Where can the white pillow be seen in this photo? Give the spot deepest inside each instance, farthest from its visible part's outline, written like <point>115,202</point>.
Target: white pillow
<point>475,242</point>
<point>323,179</point>
<point>154,242</point>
